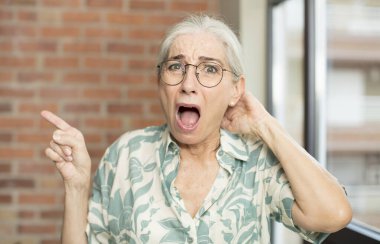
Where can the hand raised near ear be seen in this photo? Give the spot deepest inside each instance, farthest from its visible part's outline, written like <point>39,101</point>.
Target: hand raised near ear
<point>245,116</point>
<point>68,150</point>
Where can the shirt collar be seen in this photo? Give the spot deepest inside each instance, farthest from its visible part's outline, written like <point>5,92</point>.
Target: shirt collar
<point>232,147</point>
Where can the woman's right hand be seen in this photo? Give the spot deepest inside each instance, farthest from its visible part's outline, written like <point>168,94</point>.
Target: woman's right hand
<point>68,150</point>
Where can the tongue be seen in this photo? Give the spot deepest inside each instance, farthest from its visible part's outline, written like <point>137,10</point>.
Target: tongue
<point>189,118</point>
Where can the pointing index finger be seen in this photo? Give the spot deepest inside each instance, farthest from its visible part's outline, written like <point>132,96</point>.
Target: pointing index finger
<point>55,120</point>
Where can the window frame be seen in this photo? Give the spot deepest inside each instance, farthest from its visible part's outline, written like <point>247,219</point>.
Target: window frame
<point>315,133</point>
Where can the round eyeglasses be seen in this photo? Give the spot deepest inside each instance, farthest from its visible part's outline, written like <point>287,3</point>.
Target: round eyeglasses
<point>209,74</point>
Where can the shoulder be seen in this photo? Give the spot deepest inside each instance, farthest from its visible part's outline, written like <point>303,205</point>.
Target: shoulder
<point>148,134</point>
<point>141,140</point>
<point>259,152</point>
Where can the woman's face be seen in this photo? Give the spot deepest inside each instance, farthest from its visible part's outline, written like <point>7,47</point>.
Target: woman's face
<point>194,112</point>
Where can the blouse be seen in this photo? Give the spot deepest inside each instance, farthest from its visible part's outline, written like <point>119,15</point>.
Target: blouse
<point>134,199</point>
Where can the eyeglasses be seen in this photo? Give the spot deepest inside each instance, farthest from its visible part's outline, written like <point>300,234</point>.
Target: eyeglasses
<point>209,74</point>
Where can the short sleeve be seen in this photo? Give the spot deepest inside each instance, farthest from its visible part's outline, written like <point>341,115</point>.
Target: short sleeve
<point>97,220</point>
<point>280,201</point>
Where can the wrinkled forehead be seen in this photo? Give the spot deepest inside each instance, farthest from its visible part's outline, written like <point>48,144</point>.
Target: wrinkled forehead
<point>192,48</point>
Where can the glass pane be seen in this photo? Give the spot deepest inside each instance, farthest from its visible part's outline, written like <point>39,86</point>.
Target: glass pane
<point>287,81</point>
<point>353,103</point>
<point>288,61</point>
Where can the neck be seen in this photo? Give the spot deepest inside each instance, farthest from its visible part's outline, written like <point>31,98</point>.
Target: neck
<point>202,153</point>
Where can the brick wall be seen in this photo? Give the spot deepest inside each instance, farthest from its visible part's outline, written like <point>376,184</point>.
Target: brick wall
<point>93,63</point>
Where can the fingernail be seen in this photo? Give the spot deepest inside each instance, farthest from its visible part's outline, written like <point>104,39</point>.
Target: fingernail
<point>69,158</point>
<point>56,137</point>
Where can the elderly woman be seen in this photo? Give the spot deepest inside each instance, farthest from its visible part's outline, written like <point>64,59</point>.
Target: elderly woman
<point>217,172</point>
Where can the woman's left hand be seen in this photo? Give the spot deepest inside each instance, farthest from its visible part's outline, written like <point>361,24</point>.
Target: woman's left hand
<point>246,116</point>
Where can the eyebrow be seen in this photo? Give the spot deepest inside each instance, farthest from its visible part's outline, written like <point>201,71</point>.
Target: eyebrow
<point>201,58</point>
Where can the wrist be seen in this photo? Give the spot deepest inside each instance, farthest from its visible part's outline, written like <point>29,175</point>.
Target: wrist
<point>77,190</point>
<point>261,127</point>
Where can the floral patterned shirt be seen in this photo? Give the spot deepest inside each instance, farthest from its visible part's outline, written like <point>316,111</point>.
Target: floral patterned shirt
<point>134,199</point>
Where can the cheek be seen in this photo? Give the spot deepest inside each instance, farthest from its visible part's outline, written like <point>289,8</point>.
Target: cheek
<point>165,99</point>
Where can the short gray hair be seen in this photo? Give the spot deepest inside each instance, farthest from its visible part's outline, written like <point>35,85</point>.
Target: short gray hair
<point>205,23</point>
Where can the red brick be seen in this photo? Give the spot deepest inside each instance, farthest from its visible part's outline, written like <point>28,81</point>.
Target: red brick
<point>145,34</point>
<point>105,3</point>
<point>24,2</point>
<point>102,93</point>
<point>96,153</point>
<point>156,109</point>
<point>142,64</point>
<point>142,94</point>
<point>35,77</point>
<point>82,77</point>
<point>104,33</point>
<point>35,168</point>
<point>27,16</point>
<point>80,17</point>
<point>82,47</point>
<point>38,46</point>
<point>17,62</point>
<point>5,199</point>
<point>6,46</point>
<point>15,153</point>
<point>6,122</point>
<point>16,183</point>
<point>26,214</point>
<point>165,20</point>
<point>125,108</point>
<point>146,5</point>
<point>42,199</point>
<point>189,6</point>
<point>59,93</point>
<point>127,79</point>
<point>16,93</point>
<point>141,123</point>
<point>5,107</point>
<point>51,241</point>
<point>5,168</point>
<point>125,48</point>
<point>60,32</point>
<point>33,138</point>
<point>61,62</point>
<point>36,108</point>
<point>92,138</point>
<point>104,63</point>
<point>37,229</point>
<point>5,76</point>
<point>18,31</point>
<point>104,123</point>
<point>60,3</point>
<point>82,108</point>
<point>52,214</point>
<point>126,19</point>
<point>6,15</point>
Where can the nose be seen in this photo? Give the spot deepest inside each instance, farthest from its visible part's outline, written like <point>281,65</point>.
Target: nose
<point>190,81</point>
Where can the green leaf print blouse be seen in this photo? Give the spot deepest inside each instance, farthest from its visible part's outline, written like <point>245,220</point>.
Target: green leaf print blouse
<point>134,199</point>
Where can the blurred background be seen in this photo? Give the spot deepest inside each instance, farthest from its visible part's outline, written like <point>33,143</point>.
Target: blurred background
<point>314,64</point>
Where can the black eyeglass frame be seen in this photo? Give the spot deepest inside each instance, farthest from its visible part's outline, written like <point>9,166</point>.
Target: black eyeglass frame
<point>184,71</point>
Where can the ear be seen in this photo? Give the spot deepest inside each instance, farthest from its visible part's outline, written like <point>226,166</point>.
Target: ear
<point>238,91</point>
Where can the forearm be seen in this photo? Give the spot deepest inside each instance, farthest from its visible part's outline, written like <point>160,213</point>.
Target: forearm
<point>318,195</point>
<point>75,216</point>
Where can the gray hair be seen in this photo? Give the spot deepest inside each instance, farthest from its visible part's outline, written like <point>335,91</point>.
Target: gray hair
<point>204,23</point>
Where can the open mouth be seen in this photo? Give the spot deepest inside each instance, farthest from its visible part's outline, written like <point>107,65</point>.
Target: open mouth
<point>188,116</point>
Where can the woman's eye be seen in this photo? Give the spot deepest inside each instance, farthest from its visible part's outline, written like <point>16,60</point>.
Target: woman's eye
<point>211,69</point>
<point>175,66</point>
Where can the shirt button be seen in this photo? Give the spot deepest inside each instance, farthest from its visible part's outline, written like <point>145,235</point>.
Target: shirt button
<point>190,239</point>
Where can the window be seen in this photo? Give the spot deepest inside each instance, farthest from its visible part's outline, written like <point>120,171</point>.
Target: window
<point>353,104</point>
